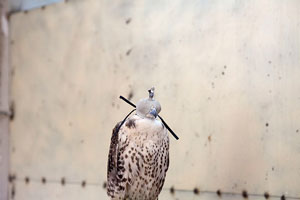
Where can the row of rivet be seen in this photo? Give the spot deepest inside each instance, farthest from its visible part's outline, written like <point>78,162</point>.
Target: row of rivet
<point>172,190</point>
<point>243,193</point>
<point>62,181</point>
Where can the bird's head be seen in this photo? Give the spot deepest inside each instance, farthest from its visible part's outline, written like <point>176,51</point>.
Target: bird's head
<point>148,107</point>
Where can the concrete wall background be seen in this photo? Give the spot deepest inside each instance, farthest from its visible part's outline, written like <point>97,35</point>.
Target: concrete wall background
<point>226,74</point>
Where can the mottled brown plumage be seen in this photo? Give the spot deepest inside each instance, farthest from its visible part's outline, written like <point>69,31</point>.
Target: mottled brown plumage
<point>138,158</point>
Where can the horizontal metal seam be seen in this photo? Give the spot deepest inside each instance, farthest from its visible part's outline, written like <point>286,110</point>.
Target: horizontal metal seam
<point>86,183</point>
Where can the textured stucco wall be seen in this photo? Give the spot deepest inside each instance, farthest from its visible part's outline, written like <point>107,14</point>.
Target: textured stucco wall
<point>226,74</point>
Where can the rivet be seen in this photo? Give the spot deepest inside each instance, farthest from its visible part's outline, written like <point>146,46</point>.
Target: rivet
<point>63,181</point>
<point>13,191</point>
<point>11,178</point>
<point>83,183</point>
<point>266,195</point>
<point>196,191</point>
<point>172,190</point>
<point>219,193</point>
<point>27,180</point>
<point>245,194</point>
<point>104,185</point>
<point>44,180</point>
<point>12,111</point>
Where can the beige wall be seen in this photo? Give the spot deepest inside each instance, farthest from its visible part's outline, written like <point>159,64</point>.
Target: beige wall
<point>226,74</point>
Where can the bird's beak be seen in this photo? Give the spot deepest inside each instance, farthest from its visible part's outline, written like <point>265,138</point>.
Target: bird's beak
<point>153,112</point>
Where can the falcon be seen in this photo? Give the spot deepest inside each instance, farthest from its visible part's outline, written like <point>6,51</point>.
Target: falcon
<point>139,154</point>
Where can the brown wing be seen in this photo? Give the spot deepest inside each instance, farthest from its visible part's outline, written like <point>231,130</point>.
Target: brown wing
<point>112,172</point>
